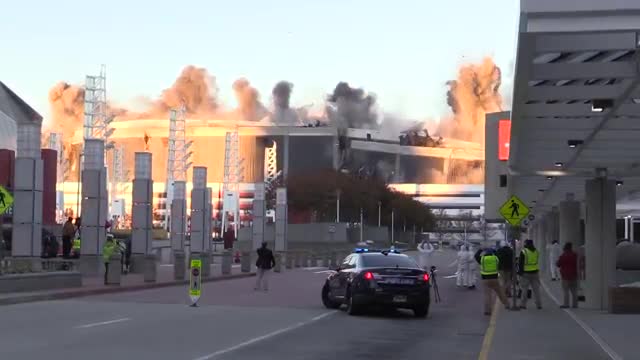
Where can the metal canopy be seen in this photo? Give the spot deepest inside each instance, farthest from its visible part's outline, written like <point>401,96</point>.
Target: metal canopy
<point>577,78</point>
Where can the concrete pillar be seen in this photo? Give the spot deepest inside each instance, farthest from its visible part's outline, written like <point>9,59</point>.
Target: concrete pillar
<point>179,229</point>
<point>569,219</point>
<point>27,185</point>
<point>257,223</point>
<point>198,209</point>
<point>142,217</point>
<point>281,220</point>
<point>285,167</point>
<point>396,170</point>
<point>600,241</point>
<point>94,208</point>
<point>207,231</point>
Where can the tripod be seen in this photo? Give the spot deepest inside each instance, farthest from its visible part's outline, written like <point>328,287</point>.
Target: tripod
<point>434,284</point>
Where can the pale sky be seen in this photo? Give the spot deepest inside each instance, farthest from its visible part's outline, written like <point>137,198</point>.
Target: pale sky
<point>404,51</point>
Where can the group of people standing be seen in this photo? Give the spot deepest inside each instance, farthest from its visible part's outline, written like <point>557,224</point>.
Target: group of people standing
<point>466,271</point>
<point>497,273</point>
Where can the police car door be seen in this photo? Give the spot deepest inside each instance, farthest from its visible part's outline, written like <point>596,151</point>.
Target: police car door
<point>340,280</point>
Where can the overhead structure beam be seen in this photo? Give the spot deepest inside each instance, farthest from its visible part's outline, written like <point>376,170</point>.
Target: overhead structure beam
<point>585,42</point>
<point>575,92</point>
<point>586,71</point>
<point>576,110</point>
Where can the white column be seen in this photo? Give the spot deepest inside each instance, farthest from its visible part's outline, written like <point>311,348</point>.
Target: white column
<point>626,227</point>
<point>569,221</point>
<point>27,192</point>
<point>631,232</point>
<point>600,241</point>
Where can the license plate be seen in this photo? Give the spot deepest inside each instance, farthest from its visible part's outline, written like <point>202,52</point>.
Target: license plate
<point>400,298</point>
<point>399,281</point>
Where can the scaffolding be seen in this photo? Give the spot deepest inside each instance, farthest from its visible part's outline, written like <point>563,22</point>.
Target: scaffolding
<point>270,163</point>
<point>178,158</point>
<point>118,172</point>
<point>233,170</point>
<point>96,119</point>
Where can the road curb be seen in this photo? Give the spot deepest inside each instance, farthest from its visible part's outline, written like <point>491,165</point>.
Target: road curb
<point>111,290</point>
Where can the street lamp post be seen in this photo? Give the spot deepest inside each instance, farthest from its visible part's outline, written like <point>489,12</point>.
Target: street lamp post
<point>392,228</point>
<point>79,181</point>
<point>361,225</point>
<point>379,213</point>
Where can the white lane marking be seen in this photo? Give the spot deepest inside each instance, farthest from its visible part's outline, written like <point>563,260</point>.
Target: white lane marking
<point>102,323</point>
<point>315,268</point>
<point>265,337</point>
<point>613,355</point>
<point>233,265</point>
<point>323,272</point>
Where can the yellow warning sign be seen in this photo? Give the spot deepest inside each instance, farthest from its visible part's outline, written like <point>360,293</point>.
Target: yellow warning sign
<point>6,200</point>
<point>514,211</point>
<point>195,285</point>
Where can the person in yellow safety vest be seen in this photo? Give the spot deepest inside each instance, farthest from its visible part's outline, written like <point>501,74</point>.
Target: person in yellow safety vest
<point>489,272</point>
<point>75,248</point>
<point>529,273</point>
<point>107,251</point>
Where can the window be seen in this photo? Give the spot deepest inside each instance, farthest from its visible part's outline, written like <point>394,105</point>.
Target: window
<point>380,260</point>
<point>346,262</point>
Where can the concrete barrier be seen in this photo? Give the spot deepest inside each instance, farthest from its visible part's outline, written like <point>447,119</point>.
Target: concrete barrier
<point>278,267</point>
<point>40,281</point>
<point>624,300</point>
<point>115,267</point>
<point>245,262</point>
<point>226,262</point>
<point>288,260</point>
<point>326,259</point>
<point>297,259</point>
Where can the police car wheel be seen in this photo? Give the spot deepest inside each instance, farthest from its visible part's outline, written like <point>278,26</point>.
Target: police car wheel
<point>352,308</point>
<point>421,311</point>
<point>326,298</point>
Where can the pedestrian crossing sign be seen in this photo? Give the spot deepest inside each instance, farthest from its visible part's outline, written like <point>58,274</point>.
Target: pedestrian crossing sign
<point>6,200</point>
<point>195,280</point>
<point>514,211</point>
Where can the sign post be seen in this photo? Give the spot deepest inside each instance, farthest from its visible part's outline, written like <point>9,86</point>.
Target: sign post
<point>6,200</point>
<point>514,211</point>
<point>195,281</point>
<point>6,206</point>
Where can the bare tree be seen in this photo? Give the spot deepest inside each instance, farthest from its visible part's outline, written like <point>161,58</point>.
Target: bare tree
<point>466,223</point>
<point>442,226</point>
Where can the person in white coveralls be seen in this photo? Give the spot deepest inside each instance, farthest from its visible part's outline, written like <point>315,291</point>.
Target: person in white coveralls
<point>424,256</point>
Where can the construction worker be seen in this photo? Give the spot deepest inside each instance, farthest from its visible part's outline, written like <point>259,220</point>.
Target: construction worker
<point>489,264</point>
<point>107,251</point>
<point>529,273</point>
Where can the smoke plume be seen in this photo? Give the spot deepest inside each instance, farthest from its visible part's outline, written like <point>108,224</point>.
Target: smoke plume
<point>352,108</point>
<point>67,109</point>
<point>475,92</point>
<point>195,88</point>
<point>282,94</point>
<point>249,106</point>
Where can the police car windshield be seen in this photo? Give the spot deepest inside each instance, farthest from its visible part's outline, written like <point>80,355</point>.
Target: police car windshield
<point>381,260</point>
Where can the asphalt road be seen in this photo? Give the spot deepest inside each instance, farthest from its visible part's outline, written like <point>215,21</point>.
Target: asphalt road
<point>235,322</point>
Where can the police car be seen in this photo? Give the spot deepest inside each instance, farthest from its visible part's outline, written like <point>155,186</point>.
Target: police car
<point>386,278</point>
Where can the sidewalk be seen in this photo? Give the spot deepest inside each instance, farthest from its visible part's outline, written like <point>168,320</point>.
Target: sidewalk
<point>553,333</point>
<point>617,331</point>
<point>129,282</point>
